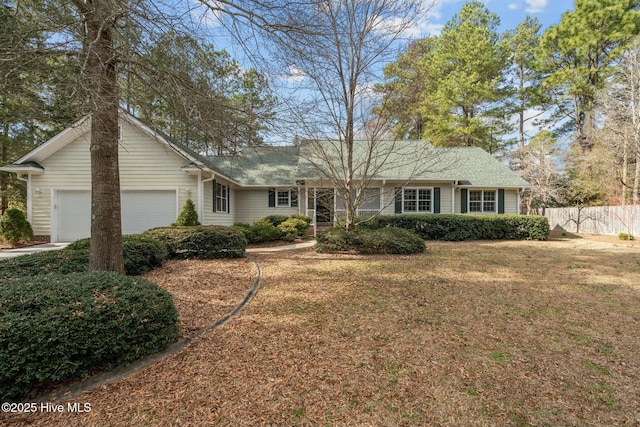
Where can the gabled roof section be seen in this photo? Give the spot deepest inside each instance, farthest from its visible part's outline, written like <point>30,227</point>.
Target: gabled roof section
<point>409,160</point>
<point>49,147</point>
<point>28,167</point>
<point>260,166</point>
<point>282,166</point>
<point>477,168</point>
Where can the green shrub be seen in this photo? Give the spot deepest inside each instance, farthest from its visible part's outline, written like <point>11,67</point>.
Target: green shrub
<point>42,263</point>
<point>264,231</point>
<point>293,228</point>
<point>59,328</point>
<point>625,236</point>
<point>457,227</point>
<point>305,218</point>
<point>141,253</point>
<point>14,226</point>
<point>276,220</point>
<point>389,240</point>
<point>188,216</point>
<point>202,242</point>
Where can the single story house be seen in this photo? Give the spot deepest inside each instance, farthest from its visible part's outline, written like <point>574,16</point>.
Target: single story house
<point>157,176</point>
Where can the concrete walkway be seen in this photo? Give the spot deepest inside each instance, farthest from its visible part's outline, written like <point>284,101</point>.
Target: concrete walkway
<point>294,246</point>
<point>10,253</point>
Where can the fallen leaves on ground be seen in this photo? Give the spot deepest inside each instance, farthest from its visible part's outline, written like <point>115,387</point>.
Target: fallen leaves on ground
<point>474,333</point>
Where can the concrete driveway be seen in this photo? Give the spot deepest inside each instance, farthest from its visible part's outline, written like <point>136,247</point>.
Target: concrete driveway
<point>10,253</point>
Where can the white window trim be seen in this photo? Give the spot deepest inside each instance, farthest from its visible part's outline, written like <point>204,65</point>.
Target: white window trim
<point>417,211</point>
<point>482,211</point>
<point>225,198</point>
<point>283,190</point>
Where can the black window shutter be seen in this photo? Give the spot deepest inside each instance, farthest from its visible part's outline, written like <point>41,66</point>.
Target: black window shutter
<point>228,199</point>
<point>215,198</point>
<point>501,201</point>
<point>436,200</point>
<point>294,198</point>
<point>398,191</point>
<point>272,197</point>
<point>463,200</point>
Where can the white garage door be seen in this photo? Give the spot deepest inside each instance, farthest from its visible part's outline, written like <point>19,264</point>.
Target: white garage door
<point>141,210</point>
<point>73,215</point>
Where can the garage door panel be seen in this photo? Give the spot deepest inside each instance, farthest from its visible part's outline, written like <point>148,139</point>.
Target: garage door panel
<point>141,210</point>
<point>73,215</point>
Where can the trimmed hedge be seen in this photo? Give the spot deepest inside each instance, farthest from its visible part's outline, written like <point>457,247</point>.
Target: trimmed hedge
<point>59,328</point>
<point>458,227</point>
<point>141,254</point>
<point>389,240</point>
<point>202,242</point>
<point>51,262</point>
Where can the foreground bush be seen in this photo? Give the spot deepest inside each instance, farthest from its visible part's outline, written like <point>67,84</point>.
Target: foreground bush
<point>389,240</point>
<point>58,328</point>
<point>202,242</point>
<point>14,226</point>
<point>458,227</point>
<point>60,262</point>
<point>141,253</point>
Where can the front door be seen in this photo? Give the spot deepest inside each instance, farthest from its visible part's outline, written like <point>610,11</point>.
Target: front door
<point>324,206</point>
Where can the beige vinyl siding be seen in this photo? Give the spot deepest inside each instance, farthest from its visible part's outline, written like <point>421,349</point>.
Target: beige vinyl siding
<point>252,204</point>
<point>218,218</point>
<point>144,164</point>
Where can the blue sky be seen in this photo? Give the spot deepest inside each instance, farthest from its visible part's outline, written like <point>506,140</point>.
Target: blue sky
<point>511,12</point>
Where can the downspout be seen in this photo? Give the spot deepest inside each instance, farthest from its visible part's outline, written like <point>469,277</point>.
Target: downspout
<point>29,197</point>
<point>201,183</point>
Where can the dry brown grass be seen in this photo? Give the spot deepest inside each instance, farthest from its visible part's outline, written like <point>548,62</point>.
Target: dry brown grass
<point>480,333</point>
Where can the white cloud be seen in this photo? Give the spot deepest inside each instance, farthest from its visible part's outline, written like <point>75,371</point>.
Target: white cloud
<point>295,75</point>
<point>432,29</point>
<point>536,6</point>
<point>513,6</point>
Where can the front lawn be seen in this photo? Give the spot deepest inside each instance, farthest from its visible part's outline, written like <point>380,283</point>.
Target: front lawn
<point>467,334</point>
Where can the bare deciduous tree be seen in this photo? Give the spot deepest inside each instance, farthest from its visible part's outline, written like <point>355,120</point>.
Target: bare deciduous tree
<point>335,56</point>
<point>620,105</point>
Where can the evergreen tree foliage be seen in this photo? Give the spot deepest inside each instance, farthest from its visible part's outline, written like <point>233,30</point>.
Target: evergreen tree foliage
<point>188,215</point>
<point>14,226</point>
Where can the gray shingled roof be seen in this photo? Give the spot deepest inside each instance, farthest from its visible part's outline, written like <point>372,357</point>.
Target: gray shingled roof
<point>398,160</point>
<point>264,166</point>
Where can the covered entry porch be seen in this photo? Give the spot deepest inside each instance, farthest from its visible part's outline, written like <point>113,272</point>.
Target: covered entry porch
<point>326,205</point>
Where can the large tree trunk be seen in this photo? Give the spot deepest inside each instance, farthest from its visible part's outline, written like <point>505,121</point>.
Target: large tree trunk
<point>106,229</point>
<point>4,182</point>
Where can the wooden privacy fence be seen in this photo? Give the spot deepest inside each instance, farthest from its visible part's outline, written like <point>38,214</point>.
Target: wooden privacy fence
<point>596,220</point>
